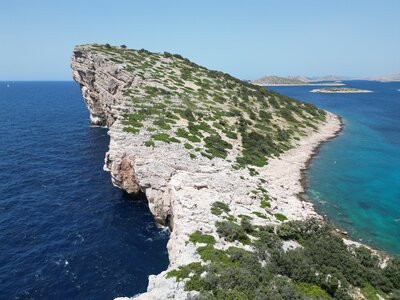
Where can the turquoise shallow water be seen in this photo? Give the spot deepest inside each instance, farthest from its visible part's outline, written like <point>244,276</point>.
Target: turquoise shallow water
<point>355,178</point>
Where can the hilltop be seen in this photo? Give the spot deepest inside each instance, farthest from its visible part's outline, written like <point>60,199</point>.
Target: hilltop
<point>220,163</point>
<point>208,113</point>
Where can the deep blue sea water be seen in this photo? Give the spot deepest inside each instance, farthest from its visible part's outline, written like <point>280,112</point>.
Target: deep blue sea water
<point>65,231</point>
<point>355,178</point>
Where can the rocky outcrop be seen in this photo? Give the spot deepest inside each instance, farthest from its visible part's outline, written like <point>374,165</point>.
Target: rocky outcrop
<point>181,189</point>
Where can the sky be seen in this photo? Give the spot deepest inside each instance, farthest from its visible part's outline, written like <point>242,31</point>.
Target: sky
<point>248,38</point>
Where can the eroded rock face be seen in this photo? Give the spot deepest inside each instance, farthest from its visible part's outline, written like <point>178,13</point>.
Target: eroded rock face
<point>180,190</point>
<point>101,84</point>
<point>123,174</point>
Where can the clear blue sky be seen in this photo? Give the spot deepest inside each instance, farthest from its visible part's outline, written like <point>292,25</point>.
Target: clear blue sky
<point>247,38</point>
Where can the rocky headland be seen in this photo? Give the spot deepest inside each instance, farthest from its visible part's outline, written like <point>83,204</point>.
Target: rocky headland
<point>220,162</point>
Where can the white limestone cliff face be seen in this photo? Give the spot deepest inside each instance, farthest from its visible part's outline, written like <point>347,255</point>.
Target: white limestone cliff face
<point>181,190</point>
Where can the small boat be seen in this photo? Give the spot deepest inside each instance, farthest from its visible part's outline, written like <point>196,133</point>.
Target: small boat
<point>8,85</point>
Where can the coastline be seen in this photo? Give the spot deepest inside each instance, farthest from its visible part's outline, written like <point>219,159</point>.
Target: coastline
<point>315,152</point>
<point>286,175</point>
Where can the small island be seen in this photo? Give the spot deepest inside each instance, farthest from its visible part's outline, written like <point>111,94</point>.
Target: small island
<point>339,90</point>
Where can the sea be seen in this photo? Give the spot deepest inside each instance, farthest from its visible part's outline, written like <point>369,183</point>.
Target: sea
<point>65,231</point>
<point>354,180</point>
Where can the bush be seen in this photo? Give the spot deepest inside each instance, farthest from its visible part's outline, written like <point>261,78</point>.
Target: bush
<point>184,271</point>
<point>222,206</point>
<point>312,291</point>
<point>265,203</point>
<point>286,231</point>
<point>280,217</point>
<point>188,146</point>
<point>256,148</point>
<point>246,225</point>
<point>149,143</point>
<point>198,237</point>
<point>323,269</point>
<point>216,146</point>
<point>232,232</point>
<point>392,272</point>
<point>163,137</point>
<point>184,134</point>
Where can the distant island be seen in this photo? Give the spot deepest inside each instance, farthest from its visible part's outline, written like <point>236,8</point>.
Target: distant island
<point>329,80</point>
<point>383,78</point>
<point>290,80</point>
<point>339,90</point>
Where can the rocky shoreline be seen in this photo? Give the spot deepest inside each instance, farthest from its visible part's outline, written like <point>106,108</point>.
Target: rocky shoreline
<point>286,175</point>
<point>181,190</point>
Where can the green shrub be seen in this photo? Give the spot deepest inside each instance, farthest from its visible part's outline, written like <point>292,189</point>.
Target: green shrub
<point>188,146</point>
<point>187,114</point>
<point>163,137</point>
<point>260,215</point>
<point>216,146</point>
<point>392,272</point>
<point>222,206</point>
<point>232,232</point>
<point>280,217</point>
<point>184,134</point>
<point>216,211</point>
<point>312,291</point>
<point>149,143</point>
<point>209,253</point>
<point>246,225</point>
<point>371,293</point>
<point>131,130</point>
<point>184,271</point>
<point>265,203</point>
<point>257,148</point>
<point>287,231</point>
<point>198,237</point>
<point>174,140</point>
<point>161,123</point>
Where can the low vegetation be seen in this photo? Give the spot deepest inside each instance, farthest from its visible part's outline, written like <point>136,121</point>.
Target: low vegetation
<point>208,112</point>
<point>320,267</point>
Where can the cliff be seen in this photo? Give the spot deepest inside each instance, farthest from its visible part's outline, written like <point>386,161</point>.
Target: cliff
<point>208,151</point>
